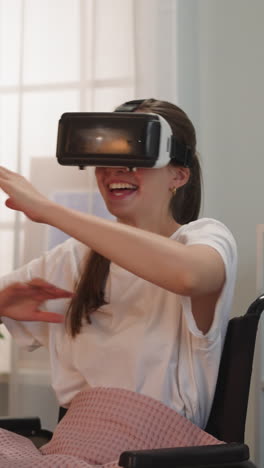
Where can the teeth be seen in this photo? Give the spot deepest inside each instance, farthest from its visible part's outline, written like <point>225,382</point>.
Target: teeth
<point>122,186</point>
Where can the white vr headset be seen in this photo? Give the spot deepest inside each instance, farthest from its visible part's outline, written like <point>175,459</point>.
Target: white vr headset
<point>122,138</point>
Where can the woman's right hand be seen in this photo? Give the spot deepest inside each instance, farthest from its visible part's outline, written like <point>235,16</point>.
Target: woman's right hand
<point>23,196</point>
<point>22,301</point>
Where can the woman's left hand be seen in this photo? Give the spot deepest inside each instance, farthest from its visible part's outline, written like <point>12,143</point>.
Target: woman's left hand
<point>22,301</point>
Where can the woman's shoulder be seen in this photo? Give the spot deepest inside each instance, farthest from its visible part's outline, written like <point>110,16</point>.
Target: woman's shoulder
<point>208,231</point>
<point>203,226</point>
<point>73,247</point>
<point>69,253</point>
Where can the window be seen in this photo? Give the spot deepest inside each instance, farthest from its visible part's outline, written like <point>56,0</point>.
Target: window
<point>55,56</point>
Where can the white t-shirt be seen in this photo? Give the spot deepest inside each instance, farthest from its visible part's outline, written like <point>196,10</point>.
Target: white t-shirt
<point>145,339</point>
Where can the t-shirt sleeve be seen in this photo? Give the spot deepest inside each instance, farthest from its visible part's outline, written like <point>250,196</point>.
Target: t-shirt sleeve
<point>61,266</point>
<point>214,234</point>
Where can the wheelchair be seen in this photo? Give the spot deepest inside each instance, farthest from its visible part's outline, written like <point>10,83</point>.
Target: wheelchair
<point>227,417</point>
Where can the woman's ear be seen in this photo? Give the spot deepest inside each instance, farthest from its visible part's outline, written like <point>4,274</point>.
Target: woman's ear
<point>180,176</point>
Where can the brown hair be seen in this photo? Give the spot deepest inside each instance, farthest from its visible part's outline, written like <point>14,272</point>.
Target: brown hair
<point>184,208</point>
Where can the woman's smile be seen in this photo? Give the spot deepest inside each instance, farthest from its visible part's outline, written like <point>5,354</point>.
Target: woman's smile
<point>121,190</point>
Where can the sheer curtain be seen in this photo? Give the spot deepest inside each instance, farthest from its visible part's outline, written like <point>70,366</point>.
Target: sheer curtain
<point>59,56</point>
<point>156,49</point>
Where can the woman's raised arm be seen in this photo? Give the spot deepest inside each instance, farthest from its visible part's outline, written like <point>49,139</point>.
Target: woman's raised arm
<point>194,270</point>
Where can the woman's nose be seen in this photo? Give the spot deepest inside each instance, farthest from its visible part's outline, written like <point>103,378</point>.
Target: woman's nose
<point>115,170</point>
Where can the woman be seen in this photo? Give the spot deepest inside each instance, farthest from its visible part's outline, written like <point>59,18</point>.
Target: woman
<point>154,289</point>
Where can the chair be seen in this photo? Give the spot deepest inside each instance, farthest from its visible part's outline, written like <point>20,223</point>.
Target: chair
<point>228,413</point>
<point>227,418</point>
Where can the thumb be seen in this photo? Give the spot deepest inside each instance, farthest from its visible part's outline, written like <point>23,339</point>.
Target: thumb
<point>11,204</point>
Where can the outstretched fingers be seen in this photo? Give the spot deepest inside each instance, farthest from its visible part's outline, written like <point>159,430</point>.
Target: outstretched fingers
<point>22,301</point>
<point>43,316</point>
<point>38,286</point>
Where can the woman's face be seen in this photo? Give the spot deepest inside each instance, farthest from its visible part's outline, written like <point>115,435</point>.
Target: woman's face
<point>134,197</point>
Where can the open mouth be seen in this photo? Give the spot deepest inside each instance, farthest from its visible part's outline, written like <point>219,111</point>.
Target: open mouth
<point>121,188</point>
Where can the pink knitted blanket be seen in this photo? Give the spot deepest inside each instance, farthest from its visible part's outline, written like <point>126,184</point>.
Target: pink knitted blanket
<point>100,424</point>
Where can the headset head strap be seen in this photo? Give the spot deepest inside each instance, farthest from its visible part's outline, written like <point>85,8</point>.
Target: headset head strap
<point>129,106</point>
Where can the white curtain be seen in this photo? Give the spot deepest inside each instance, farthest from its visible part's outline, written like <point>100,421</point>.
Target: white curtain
<point>62,56</point>
<point>156,49</point>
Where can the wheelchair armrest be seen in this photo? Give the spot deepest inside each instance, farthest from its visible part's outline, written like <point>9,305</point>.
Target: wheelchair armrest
<point>211,456</point>
<point>27,427</point>
<point>21,425</point>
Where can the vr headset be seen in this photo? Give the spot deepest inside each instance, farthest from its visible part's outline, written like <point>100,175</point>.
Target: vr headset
<point>118,139</point>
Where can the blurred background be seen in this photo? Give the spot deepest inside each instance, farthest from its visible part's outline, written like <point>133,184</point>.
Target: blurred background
<point>60,56</point>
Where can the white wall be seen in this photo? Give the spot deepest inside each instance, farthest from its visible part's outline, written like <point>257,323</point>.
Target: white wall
<point>221,84</point>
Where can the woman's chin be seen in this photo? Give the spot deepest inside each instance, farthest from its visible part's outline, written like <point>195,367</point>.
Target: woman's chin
<point>122,213</point>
